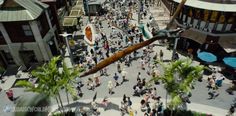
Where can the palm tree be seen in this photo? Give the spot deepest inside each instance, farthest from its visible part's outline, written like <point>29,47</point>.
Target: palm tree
<point>68,76</point>
<point>178,79</point>
<point>52,81</point>
<point>47,75</point>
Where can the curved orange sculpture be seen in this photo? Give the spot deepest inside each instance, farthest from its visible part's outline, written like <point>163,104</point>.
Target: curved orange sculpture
<point>88,33</point>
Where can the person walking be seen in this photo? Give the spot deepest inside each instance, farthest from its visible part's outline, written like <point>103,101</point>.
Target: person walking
<point>231,111</point>
<point>123,73</point>
<point>129,102</point>
<point>161,55</point>
<point>97,81</point>
<point>142,62</point>
<point>110,87</point>
<point>118,67</point>
<point>10,95</point>
<point>105,102</point>
<point>90,84</point>
<point>139,76</point>
<point>116,77</point>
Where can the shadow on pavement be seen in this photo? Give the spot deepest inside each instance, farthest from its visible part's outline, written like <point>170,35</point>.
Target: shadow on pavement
<point>11,71</point>
<point>111,106</point>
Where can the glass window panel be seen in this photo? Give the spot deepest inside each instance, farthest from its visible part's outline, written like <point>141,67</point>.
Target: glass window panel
<point>28,33</point>
<point>202,24</point>
<point>189,20</point>
<point>211,26</point>
<point>228,27</point>
<point>184,17</point>
<point>219,27</point>
<point>26,27</point>
<point>195,21</point>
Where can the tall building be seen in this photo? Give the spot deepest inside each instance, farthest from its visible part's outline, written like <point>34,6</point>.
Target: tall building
<point>28,33</point>
<point>212,26</point>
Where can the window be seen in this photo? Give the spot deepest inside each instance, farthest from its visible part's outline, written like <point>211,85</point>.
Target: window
<point>1,36</point>
<point>27,30</point>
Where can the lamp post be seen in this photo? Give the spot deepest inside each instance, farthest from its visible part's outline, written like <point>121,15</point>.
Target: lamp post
<point>176,41</point>
<point>87,6</point>
<point>65,35</point>
<point>139,11</point>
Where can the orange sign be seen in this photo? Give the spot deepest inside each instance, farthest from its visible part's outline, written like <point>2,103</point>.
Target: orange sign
<point>88,33</point>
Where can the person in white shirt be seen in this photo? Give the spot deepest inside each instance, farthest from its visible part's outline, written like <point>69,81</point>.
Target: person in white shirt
<point>110,87</point>
<point>123,74</point>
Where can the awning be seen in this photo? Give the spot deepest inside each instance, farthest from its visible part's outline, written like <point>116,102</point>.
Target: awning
<point>207,56</point>
<point>194,35</point>
<point>75,13</point>
<point>70,21</point>
<point>228,43</point>
<point>230,61</point>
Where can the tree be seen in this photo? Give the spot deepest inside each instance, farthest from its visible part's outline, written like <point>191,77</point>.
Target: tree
<point>68,80</point>
<point>51,81</point>
<point>178,79</point>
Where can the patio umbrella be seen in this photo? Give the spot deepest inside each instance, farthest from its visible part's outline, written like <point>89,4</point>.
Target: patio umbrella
<point>207,56</point>
<point>230,61</point>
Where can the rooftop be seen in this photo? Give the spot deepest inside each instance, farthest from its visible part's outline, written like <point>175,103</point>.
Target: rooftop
<point>225,5</point>
<point>21,10</point>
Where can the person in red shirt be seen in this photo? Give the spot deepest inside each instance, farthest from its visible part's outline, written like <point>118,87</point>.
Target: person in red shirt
<point>10,95</point>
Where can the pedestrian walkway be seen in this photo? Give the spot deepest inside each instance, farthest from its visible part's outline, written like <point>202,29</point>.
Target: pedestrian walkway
<point>113,107</point>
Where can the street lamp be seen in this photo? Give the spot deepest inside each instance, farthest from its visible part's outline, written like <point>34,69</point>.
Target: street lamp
<point>65,35</point>
<point>139,11</point>
<point>176,41</point>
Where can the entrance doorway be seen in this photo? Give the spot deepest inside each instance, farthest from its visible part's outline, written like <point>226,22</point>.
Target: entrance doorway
<point>28,57</point>
<point>6,58</point>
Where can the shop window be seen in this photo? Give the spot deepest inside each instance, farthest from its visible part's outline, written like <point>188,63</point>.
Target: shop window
<point>1,35</point>
<point>228,27</point>
<point>8,57</point>
<point>219,27</point>
<point>27,30</point>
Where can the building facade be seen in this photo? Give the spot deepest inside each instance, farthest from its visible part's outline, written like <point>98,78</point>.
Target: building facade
<point>212,26</point>
<point>28,33</point>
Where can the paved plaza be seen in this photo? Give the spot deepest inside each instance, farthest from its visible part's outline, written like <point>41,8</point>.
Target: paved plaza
<point>199,100</point>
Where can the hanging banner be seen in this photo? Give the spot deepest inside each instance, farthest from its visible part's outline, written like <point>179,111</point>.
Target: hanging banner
<point>89,34</point>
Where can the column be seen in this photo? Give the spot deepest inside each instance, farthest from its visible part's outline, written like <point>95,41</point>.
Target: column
<point>51,28</point>
<point>39,40</point>
<point>14,53</point>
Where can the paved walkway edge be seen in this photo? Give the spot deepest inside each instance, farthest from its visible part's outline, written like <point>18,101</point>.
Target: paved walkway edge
<point>136,106</point>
